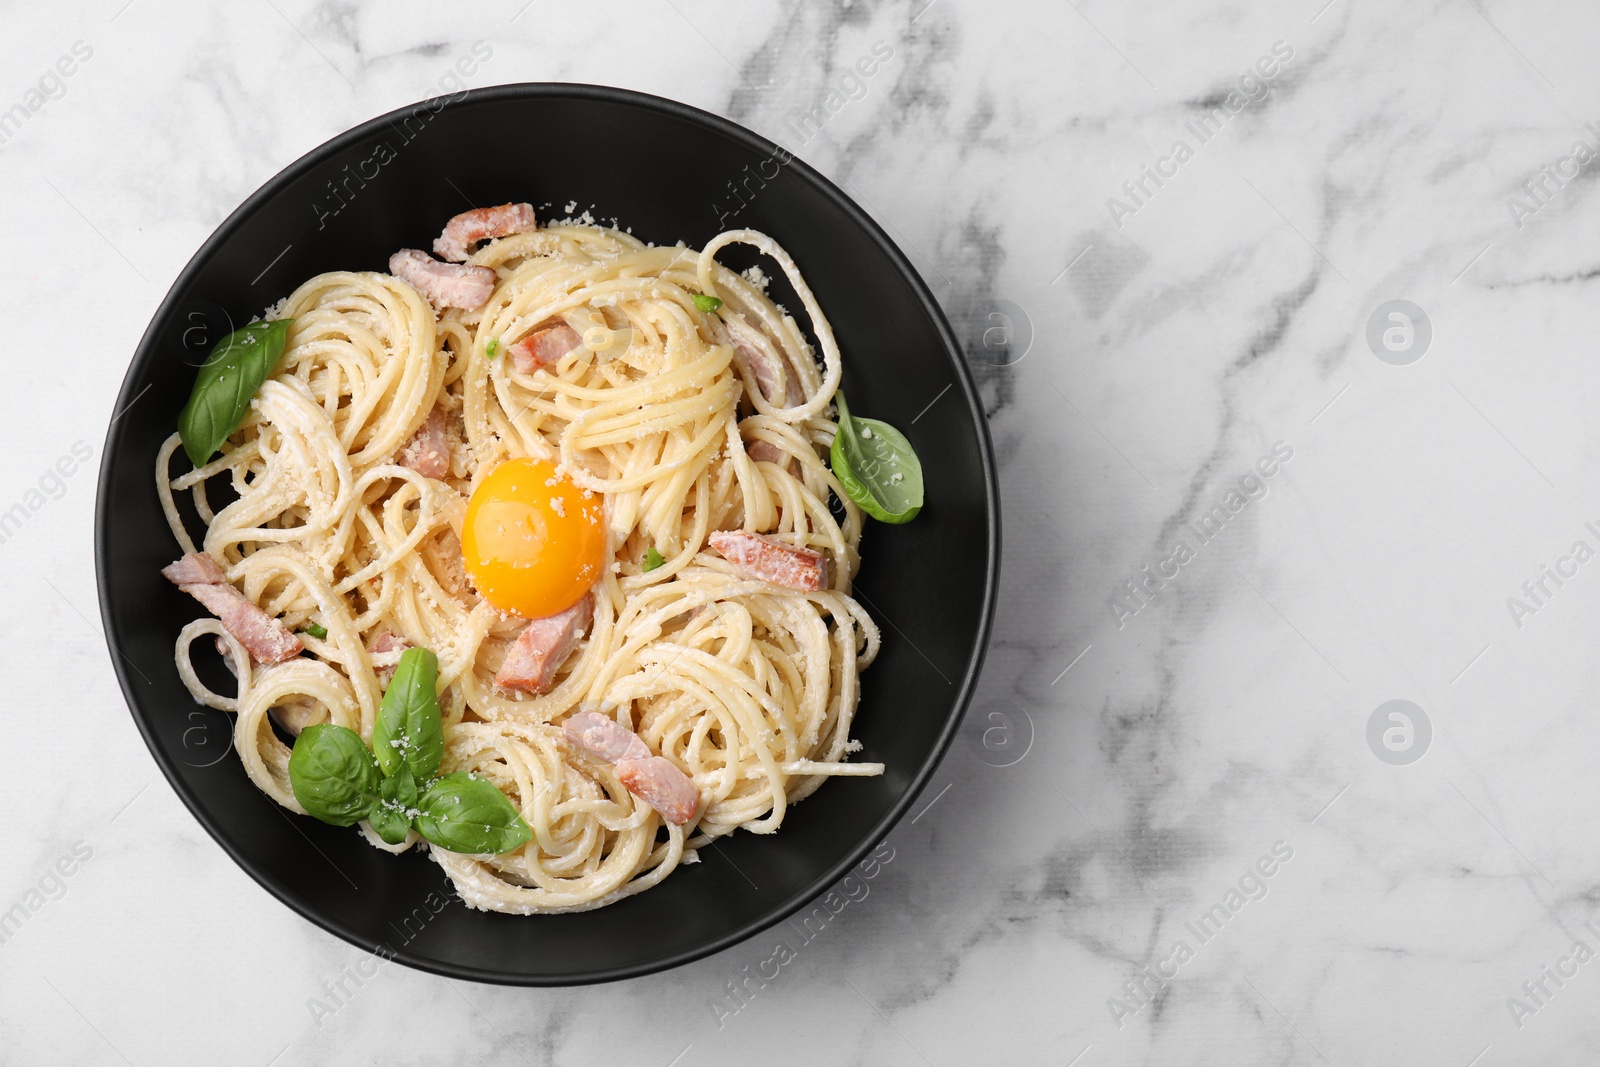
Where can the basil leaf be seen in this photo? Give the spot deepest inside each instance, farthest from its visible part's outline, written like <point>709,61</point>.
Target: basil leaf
<point>707,303</point>
<point>877,467</point>
<point>391,816</point>
<point>226,384</point>
<point>652,559</point>
<point>333,774</point>
<point>464,813</point>
<point>408,730</point>
<point>391,824</point>
<point>400,789</point>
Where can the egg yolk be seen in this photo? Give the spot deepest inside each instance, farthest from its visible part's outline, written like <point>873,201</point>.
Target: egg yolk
<point>533,541</point>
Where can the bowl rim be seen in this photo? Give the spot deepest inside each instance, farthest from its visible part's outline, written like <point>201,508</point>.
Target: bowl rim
<point>963,378</point>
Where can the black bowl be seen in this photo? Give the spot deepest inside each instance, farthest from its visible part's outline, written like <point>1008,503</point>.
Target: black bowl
<point>671,173</point>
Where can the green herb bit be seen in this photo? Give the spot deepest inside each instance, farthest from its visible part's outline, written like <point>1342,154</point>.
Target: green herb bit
<point>877,467</point>
<point>652,559</point>
<point>337,779</point>
<point>317,630</point>
<point>707,303</point>
<point>492,347</point>
<point>333,774</point>
<point>391,816</point>
<point>226,383</point>
<point>389,822</point>
<point>409,731</point>
<point>463,813</point>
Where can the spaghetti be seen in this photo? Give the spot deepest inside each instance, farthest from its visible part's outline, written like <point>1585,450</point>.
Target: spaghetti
<point>684,421</point>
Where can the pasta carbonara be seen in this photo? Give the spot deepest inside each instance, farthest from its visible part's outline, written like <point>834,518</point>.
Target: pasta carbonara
<point>664,424</point>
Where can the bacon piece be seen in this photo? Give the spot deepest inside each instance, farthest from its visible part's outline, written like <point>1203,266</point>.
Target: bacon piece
<point>543,646</point>
<point>658,782</point>
<point>428,452</point>
<point>775,377</point>
<point>446,285</point>
<point>603,737</point>
<point>772,560</point>
<point>767,452</point>
<point>263,636</point>
<point>387,642</point>
<point>196,568</point>
<point>225,650</point>
<point>296,713</point>
<point>470,227</point>
<point>548,343</point>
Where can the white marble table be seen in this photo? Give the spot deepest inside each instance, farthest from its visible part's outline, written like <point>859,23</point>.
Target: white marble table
<point>1093,886</point>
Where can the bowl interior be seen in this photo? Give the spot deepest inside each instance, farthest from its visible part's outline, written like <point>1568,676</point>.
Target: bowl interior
<point>671,174</point>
